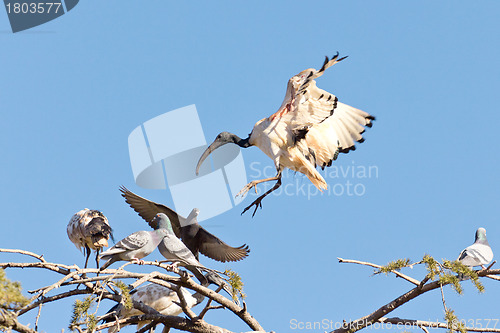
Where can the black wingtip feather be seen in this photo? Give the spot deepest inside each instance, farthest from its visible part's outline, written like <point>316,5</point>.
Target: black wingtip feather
<point>348,149</point>
<point>324,64</point>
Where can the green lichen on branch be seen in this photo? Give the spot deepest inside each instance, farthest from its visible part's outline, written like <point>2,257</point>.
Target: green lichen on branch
<point>236,284</point>
<point>432,266</point>
<point>393,266</point>
<point>81,314</point>
<point>11,297</point>
<point>452,280</point>
<point>462,271</point>
<point>454,325</point>
<point>447,273</point>
<point>125,293</point>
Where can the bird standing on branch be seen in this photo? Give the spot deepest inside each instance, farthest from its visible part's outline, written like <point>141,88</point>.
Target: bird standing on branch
<point>136,246</point>
<point>172,248</point>
<point>479,253</point>
<point>90,230</point>
<point>310,129</point>
<point>194,236</point>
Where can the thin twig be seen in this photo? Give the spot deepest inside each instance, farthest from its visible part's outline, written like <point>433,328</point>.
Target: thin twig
<point>209,303</point>
<point>38,316</point>
<point>401,275</point>
<point>27,253</point>
<point>148,327</point>
<point>184,305</point>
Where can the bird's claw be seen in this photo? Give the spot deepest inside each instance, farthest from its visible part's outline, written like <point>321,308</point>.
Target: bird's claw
<point>247,188</point>
<point>257,203</point>
<point>138,261</point>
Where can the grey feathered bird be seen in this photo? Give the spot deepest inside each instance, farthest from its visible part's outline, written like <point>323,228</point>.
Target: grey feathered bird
<point>479,253</point>
<point>162,299</point>
<point>90,230</point>
<point>194,236</point>
<point>172,248</point>
<point>135,246</point>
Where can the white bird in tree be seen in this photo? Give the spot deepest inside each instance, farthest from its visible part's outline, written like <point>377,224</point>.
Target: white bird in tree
<point>310,129</point>
<point>162,299</point>
<point>479,253</point>
<point>90,230</point>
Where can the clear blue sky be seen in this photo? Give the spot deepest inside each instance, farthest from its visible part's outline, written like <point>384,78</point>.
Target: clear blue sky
<point>72,90</point>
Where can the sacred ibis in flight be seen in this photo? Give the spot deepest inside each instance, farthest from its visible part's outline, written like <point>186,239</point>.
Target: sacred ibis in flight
<point>310,129</point>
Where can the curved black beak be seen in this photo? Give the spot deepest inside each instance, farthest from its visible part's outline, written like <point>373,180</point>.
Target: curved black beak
<point>218,142</point>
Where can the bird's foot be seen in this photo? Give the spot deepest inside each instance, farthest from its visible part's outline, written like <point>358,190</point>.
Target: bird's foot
<point>138,261</point>
<point>257,203</point>
<point>247,188</point>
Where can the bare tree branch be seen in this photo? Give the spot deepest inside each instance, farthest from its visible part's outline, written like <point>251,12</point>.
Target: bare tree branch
<point>399,274</point>
<point>9,320</point>
<point>367,320</point>
<point>96,285</point>
<point>34,255</point>
<point>208,306</point>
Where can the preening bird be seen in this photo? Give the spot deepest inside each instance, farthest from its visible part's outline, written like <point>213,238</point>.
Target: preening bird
<point>90,230</point>
<point>479,253</point>
<point>135,246</point>
<point>162,299</point>
<point>194,236</point>
<point>310,129</point>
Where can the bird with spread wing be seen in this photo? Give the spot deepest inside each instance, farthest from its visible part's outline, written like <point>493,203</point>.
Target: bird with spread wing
<point>310,129</point>
<point>192,234</point>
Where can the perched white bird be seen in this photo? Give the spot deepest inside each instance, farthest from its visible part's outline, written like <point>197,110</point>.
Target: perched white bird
<point>90,230</point>
<point>310,129</point>
<point>160,298</point>
<point>479,253</point>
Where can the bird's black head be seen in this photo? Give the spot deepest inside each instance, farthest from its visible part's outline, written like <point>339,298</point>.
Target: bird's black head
<point>226,137</point>
<point>220,140</point>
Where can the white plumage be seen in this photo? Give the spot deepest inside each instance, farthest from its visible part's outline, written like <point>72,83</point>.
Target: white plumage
<point>160,298</point>
<point>479,253</point>
<point>89,230</point>
<point>310,129</point>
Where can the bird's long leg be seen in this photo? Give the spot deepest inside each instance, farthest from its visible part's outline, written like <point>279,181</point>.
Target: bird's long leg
<point>258,201</point>
<point>253,183</point>
<point>97,257</point>
<point>87,253</point>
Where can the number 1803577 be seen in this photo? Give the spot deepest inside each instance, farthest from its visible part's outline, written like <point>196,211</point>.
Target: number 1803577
<point>33,8</point>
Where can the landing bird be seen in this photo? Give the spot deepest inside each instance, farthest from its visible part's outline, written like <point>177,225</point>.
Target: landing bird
<point>90,230</point>
<point>194,236</point>
<point>135,246</point>
<point>479,253</point>
<point>172,248</point>
<point>310,129</point>
<point>162,299</point>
